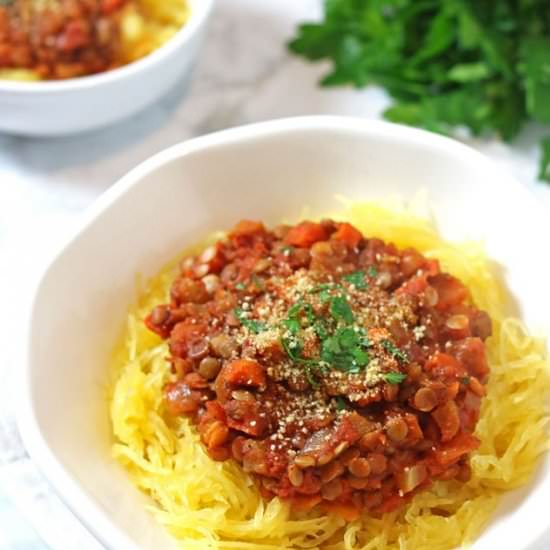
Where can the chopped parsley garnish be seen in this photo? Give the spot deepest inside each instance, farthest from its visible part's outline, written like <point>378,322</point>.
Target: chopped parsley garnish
<point>357,279</point>
<point>372,271</point>
<point>397,353</point>
<point>325,286</point>
<point>293,321</point>
<point>320,329</point>
<point>465,380</point>
<point>340,309</point>
<point>293,348</point>
<point>345,350</point>
<point>259,282</point>
<point>240,286</point>
<point>341,403</point>
<point>251,324</point>
<point>287,250</point>
<point>394,377</point>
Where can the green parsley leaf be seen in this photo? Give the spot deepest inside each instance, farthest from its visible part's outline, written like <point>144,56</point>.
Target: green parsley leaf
<point>293,321</point>
<point>394,377</point>
<point>357,279</point>
<point>293,325</point>
<point>544,166</point>
<point>258,281</point>
<point>240,286</point>
<point>341,403</point>
<point>287,250</point>
<point>251,324</point>
<point>340,309</point>
<point>391,348</point>
<point>372,271</point>
<point>344,350</point>
<point>445,65</point>
<point>320,329</point>
<point>293,348</point>
<point>465,380</point>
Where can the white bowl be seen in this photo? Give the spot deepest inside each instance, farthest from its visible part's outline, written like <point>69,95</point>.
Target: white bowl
<point>267,171</point>
<point>60,107</point>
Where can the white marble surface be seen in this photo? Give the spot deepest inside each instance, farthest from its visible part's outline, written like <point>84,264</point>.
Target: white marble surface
<point>244,75</point>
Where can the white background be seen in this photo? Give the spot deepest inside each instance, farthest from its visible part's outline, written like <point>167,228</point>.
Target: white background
<point>244,75</point>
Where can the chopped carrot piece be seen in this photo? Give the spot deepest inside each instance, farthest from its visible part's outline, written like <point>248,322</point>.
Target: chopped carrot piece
<point>305,234</point>
<point>246,228</point>
<point>347,233</point>
<point>244,372</point>
<point>445,365</point>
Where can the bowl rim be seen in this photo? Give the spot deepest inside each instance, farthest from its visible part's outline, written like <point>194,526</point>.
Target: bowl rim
<point>198,16</point>
<point>88,512</point>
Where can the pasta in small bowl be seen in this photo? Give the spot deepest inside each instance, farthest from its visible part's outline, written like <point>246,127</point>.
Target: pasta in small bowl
<point>61,59</point>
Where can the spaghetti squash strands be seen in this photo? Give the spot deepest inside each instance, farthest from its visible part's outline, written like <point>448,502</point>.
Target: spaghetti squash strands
<point>215,505</point>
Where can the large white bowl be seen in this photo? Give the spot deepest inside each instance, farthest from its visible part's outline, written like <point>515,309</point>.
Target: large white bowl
<point>78,104</point>
<point>267,171</point>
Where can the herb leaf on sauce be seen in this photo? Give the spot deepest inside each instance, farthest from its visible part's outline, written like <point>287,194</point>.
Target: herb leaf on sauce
<point>340,309</point>
<point>251,324</point>
<point>392,349</point>
<point>344,351</point>
<point>394,377</point>
<point>357,279</point>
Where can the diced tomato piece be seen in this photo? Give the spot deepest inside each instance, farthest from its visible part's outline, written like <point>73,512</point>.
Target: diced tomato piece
<point>445,365</point>
<point>304,504</point>
<point>214,411</point>
<point>246,232</point>
<point>453,450</point>
<point>76,34</point>
<point>246,417</point>
<point>471,353</point>
<point>414,430</point>
<point>347,233</point>
<point>305,234</point>
<point>447,419</point>
<point>417,284</point>
<point>432,267</point>
<point>181,399</point>
<point>390,504</point>
<point>450,290</point>
<point>244,372</point>
<point>414,286</point>
<point>109,6</point>
<point>247,228</point>
<point>162,330</point>
<point>469,412</point>
<point>184,335</point>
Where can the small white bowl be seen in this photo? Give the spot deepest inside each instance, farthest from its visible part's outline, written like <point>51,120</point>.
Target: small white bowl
<point>53,108</point>
<point>266,171</point>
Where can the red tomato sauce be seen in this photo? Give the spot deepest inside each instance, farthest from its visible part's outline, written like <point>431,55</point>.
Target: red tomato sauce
<point>336,369</point>
<point>62,39</point>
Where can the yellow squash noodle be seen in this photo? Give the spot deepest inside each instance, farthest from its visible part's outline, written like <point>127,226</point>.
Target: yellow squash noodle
<point>215,505</point>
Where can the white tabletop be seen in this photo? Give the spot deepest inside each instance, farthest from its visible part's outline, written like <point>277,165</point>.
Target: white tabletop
<point>244,75</point>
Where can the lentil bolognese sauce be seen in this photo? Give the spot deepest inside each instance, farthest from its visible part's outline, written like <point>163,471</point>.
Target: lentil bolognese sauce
<point>60,39</point>
<point>335,368</point>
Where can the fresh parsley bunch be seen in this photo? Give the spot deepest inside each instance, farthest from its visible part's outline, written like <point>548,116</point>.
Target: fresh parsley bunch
<point>482,64</point>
